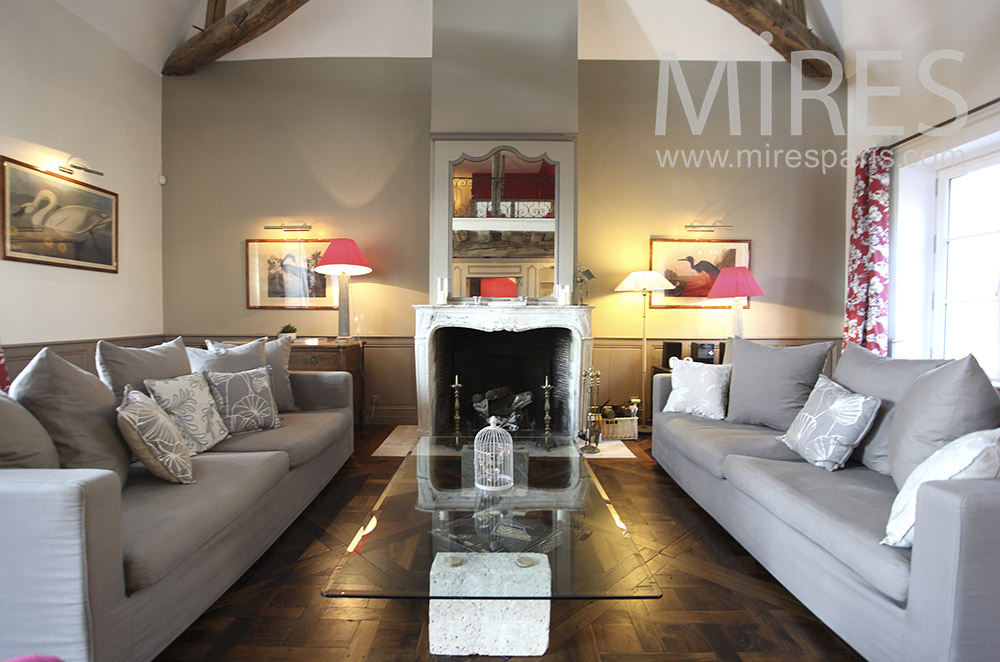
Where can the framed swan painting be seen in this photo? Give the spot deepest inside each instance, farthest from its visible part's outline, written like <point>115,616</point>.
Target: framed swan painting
<point>693,265</point>
<point>282,274</point>
<point>55,220</point>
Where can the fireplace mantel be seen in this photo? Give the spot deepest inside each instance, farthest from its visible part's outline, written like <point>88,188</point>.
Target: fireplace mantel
<point>499,317</point>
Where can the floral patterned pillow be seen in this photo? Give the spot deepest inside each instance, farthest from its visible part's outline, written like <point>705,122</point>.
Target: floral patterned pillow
<point>831,424</point>
<point>245,399</point>
<point>154,438</point>
<point>701,389</point>
<point>189,404</point>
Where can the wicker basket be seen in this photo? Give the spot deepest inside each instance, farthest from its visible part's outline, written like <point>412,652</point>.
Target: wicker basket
<point>620,428</point>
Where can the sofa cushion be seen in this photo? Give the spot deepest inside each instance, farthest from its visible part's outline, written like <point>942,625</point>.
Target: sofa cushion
<point>941,405</point>
<point>844,512</point>
<point>24,443</point>
<point>698,388</point>
<point>189,403</point>
<point>771,384</point>
<point>707,442</point>
<point>888,379</point>
<point>976,455</point>
<point>153,437</point>
<point>164,524</point>
<point>305,435</point>
<point>831,424</point>
<point>227,359</point>
<point>121,366</point>
<point>244,399</point>
<point>76,409</point>
<point>278,352</point>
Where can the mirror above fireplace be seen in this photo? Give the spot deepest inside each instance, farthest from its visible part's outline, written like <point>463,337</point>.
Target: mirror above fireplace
<point>503,218</point>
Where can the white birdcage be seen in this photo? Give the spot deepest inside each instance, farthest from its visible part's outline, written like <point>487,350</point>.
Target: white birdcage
<point>494,451</point>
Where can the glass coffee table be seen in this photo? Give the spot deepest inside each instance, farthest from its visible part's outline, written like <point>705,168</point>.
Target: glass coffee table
<point>490,562</point>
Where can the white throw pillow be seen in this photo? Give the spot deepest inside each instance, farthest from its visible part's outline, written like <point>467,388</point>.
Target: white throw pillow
<point>701,389</point>
<point>154,438</point>
<point>832,423</point>
<point>189,403</point>
<point>976,455</point>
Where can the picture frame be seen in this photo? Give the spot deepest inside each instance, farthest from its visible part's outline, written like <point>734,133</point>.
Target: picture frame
<point>281,274</point>
<point>693,265</point>
<point>56,220</point>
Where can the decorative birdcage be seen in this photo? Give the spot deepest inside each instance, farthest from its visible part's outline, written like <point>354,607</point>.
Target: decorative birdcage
<point>494,457</point>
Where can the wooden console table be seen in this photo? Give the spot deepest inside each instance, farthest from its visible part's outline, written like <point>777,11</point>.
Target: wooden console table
<point>334,356</point>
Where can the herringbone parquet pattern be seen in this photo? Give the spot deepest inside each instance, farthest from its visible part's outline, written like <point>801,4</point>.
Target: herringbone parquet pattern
<point>718,603</point>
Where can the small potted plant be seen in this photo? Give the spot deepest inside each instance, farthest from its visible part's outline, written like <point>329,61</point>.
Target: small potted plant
<point>288,330</point>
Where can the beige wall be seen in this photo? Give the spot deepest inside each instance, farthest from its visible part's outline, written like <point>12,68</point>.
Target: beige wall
<point>68,90</point>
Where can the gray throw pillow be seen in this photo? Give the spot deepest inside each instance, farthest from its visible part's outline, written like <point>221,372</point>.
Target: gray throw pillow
<point>244,399</point>
<point>154,438</point>
<point>278,352</point>
<point>770,385</point>
<point>131,366</point>
<point>942,405</point>
<point>76,409</point>
<point>24,443</point>
<point>228,359</point>
<point>830,425</point>
<point>188,402</point>
<point>862,371</point>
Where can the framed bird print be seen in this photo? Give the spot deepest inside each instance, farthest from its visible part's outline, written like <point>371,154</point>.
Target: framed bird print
<point>52,219</point>
<point>281,274</point>
<point>692,265</point>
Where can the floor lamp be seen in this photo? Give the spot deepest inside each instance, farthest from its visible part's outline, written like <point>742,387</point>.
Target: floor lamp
<point>644,281</point>
<point>735,282</point>
<point>343,259</point>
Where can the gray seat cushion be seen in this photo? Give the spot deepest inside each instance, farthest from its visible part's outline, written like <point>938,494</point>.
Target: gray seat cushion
<point>844,512</point>
<point>707,442</point>
<point>163,524</point>
<point>305,435</point>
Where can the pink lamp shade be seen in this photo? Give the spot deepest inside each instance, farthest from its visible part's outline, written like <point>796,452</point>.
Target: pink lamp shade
<point>735,282</point>
<point>343,256</point>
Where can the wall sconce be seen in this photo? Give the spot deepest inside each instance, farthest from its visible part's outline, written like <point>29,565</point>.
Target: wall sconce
<point>301,227</point>
<point>72,164</point>
<point>705,227</point>
<point>583,276</point>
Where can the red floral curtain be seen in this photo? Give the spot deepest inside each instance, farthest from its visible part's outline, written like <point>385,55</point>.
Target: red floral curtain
<point>867,316</point>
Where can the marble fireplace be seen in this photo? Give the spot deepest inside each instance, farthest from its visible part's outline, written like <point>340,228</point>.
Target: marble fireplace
<point>501,344</point>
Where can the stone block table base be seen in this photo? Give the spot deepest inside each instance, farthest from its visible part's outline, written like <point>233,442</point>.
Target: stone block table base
<point>489,626</point>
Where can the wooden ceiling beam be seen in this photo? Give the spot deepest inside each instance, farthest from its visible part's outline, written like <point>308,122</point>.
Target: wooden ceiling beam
<point>789,31</point>
<point>240,26</point>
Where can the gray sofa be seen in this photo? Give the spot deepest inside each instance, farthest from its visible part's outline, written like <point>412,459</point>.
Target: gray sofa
<point>97,572</point>
<point>818,533</point>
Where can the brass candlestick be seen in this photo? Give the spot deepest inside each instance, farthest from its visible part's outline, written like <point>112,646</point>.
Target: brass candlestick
<point>456,387</point>
<point>547,388</point>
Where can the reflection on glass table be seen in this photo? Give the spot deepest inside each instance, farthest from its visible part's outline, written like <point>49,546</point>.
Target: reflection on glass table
<point>557,507</point>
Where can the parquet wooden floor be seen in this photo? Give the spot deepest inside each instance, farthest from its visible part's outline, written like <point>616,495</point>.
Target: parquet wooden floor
<point>718,603</point>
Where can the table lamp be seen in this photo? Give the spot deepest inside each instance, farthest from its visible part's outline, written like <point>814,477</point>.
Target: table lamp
<point>735,282</point>
<point>644,281</point>
<point>344,259</point>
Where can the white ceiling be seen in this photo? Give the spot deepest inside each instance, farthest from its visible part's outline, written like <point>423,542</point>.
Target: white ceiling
<point>608,29</point>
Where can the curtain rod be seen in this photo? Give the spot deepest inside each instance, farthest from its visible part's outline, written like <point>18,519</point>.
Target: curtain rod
<point>907,139</point>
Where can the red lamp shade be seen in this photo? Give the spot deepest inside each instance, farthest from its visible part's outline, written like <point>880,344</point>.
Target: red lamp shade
<point>735,282</point>
<point>343,256</point>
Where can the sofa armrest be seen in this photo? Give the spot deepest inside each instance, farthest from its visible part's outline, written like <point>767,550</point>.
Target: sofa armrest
<point>323,390</point>
<point>63,582</point>
<point>661,391</point>
<point>954,583</point>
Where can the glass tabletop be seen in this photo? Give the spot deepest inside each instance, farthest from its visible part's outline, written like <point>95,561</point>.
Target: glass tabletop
<point>431,507</point>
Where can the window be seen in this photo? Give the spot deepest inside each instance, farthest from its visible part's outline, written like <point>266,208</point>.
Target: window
<point>945,279</point>
<point>965,305</point>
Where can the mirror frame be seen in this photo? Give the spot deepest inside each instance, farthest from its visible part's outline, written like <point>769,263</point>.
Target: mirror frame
<point>447,152</point>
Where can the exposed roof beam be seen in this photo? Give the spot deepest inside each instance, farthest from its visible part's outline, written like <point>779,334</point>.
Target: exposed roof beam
<point>790,33</point>
<point>244,24</point>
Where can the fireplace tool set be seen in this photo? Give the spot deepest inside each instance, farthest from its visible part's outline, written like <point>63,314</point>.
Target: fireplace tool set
<point>592,434</point>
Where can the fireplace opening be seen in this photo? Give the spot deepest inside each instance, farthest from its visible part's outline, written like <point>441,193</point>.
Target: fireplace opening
<point>506,366</point>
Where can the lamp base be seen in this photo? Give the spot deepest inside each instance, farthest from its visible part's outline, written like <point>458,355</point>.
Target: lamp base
<point>345,339</point>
